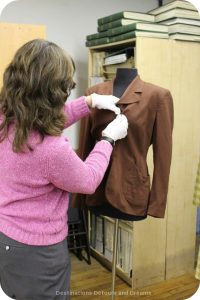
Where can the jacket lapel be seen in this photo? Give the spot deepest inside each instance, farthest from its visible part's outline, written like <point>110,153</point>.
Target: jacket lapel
<point>133,92</point>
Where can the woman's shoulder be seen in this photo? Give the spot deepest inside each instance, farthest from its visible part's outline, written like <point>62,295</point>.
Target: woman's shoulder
<point>54,140</point>
<point>55,143</point>
<point>55,148</point>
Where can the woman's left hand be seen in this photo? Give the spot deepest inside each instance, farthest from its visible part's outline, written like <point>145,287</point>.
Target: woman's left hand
<point>103,102</point>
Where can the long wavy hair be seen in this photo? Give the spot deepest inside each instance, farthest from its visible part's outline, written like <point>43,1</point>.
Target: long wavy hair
<point>36,85</point>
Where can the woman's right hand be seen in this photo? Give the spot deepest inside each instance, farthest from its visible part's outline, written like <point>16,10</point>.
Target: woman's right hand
<point>117,129</point>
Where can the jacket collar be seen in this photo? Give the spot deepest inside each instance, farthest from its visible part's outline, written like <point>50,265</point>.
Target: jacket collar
<point>132,93</point>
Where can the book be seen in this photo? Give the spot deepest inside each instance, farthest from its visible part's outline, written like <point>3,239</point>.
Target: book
<point>97,35</point>
<point>126,36</point>
<point>177,13</point>
<point>184,28</point>
<point>97,62</point>
<point>119,249</point>
<point>99,235</point>
<point>180,21</point>
<point>124,251</point>
<point>129,51</point>
<point>126,15</point>
<point>112,66</point>
<point>128,63</point>
<point>129,253</point>
<point>114,24</point>
<point>134,34</point>
<point>115,59</point>
<point>185,37</point>
<point>138,26</point>
<point>109,229</point>
<point>93,232</point>
<point>96,42</point>
<point>175,4</point>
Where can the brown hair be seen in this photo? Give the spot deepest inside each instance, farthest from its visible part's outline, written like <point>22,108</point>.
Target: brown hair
<point>36,85</point>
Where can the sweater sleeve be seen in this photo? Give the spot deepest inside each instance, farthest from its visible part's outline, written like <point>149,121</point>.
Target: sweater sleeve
<point>75,110</point>
<point>68,172</point>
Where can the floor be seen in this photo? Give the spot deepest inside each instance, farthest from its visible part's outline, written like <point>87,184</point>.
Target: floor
<point>94,282</point>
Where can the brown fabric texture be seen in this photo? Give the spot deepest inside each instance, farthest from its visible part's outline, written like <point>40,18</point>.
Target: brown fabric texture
<point>126,184</point>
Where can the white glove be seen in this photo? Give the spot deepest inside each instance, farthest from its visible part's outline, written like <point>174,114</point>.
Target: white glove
<point>117,129</point>
<point>105,102</point>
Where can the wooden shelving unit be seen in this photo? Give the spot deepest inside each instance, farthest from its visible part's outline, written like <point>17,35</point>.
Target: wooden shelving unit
<point>165,248</point>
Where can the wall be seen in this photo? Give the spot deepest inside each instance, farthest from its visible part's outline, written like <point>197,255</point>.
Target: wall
<point>68,22</point>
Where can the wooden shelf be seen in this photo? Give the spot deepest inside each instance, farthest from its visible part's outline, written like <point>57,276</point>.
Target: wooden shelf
<point>113,45</point>
<point>165,248</point>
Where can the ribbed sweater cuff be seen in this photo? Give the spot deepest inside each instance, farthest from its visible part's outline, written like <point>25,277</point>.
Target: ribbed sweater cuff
<point>105,145</point>
<point>75,110</point>
<point>81,106</point>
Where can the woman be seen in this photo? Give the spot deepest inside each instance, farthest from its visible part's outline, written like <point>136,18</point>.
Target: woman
<point>39,168</point>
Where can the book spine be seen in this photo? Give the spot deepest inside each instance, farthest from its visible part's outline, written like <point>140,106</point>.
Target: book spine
<point>122,37</point>
<point>121,29</point>
<point>96,35</point>
<point>109,25</point>
<point>97,42</point>
<point>110,18</point>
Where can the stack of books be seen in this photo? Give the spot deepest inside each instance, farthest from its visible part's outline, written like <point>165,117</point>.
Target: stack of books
<point>126,25</point>
<point>182,19</point>
<point>176,20</point>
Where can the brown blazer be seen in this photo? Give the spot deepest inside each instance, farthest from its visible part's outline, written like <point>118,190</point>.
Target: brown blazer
<point>126,184</point>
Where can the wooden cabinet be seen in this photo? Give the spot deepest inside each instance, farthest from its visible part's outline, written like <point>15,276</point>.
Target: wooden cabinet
<point>165,248</point>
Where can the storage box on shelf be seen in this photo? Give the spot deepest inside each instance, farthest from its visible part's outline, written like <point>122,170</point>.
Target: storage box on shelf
<point>100,70</point>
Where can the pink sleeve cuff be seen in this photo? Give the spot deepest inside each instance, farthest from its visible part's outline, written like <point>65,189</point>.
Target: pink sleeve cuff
<point>75,110</point>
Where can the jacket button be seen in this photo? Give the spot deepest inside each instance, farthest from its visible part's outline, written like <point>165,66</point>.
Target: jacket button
<point>7,248</point>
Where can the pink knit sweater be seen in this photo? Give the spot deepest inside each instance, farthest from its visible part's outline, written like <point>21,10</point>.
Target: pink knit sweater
<point>35,186</point>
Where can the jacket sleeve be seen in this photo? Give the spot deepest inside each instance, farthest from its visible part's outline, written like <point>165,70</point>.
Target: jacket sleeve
<point>162,153</point>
